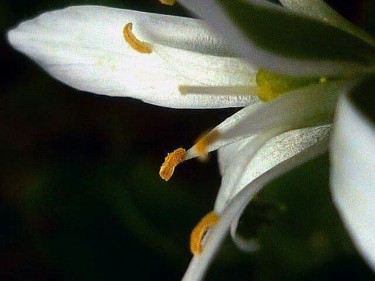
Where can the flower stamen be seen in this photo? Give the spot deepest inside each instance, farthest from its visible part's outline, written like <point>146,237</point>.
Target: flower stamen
<point>201,146</point>
<point>168,2</point>
<point>170,162</point>
<point>134,42</point>
<point>217,90</point>
<point>199,231</point>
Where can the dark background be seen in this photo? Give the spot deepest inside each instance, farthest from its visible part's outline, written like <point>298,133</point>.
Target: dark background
<point>81,199</point>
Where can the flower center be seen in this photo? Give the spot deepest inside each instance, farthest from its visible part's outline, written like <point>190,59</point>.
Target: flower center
<point>134,42</point>
<point>199,230</point>
<point>271,85</point>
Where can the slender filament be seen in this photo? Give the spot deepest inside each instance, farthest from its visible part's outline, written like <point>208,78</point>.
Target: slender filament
<point>217,90</point>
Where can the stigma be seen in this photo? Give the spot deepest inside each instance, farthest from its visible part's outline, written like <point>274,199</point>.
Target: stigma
<point>134,42</point>
<point>170,162</point>
<point>197,235</point>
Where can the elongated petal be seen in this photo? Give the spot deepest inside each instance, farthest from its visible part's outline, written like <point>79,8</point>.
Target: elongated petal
<point>242,171</point>
<point>199,264</point>
<point>228,152</point>
<point>236,166</point>
<point>305,107</point>
<point>84,47</point>
<point>286,42</point>
<point>322,11</point>
<point>261,154</point>
<point>353,175</point>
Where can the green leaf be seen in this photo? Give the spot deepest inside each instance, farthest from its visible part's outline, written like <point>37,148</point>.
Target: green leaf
<point>291,35</point>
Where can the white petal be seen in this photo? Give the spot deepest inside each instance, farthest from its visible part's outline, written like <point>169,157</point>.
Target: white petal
<point>353,176</point>
<point>84,47</point>
<point>242,171</point>
<point>227,153</point>
<point>249,245</point>
<point>255,158</point>
<point>199,264</point>
<point>217,17</point>
<point>236,167</point>
<point>305,107</point>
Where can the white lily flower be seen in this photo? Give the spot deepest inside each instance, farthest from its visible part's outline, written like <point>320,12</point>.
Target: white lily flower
<point>179,62</point>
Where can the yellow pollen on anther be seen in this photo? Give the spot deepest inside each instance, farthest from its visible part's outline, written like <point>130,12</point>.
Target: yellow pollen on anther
<point>170,162</point>
<point>133,42</point>
<point>201,146</point>
<point>199,230</point>
<point>168,2</point>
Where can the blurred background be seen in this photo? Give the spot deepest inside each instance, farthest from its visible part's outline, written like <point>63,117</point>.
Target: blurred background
<point>81,199</point>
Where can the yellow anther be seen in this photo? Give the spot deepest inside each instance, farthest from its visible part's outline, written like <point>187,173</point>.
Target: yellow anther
<point>136,44</point>
<point>201,146</point>
<point>199,230</point>
<point>170,162</point>
<point>168,2</point>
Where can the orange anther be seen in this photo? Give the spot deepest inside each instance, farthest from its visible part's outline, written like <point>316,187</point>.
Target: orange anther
<point>136,44</point>
<point>168,2</point>
<point>199,230</point>
<point>170,162</point>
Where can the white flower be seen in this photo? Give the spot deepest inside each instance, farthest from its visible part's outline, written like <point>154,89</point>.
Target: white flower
<point>179,62</point>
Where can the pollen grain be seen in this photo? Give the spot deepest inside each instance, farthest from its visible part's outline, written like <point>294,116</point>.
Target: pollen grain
<point>134,42</point>
<point>170,162</point>
<point>199,231</point>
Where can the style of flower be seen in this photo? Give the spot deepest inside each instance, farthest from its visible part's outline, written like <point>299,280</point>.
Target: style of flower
<point>287,72</point>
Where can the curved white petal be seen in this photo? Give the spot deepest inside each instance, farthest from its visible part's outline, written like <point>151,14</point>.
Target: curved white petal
<point>353,176</point>
<point>228,152</point>
<point>199,264</point>
<point>305,107</point>
<point>242,171</point>
<point>249,245</point>
<point>217,17</point>
<point>84,47</point>
<point>237,166</point>
<point>263,153</point>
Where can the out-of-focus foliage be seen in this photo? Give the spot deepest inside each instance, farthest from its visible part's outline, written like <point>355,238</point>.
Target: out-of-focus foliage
<point>80,196</point>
